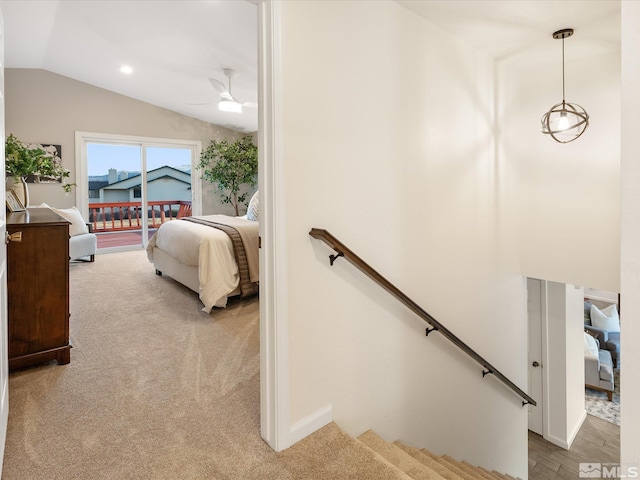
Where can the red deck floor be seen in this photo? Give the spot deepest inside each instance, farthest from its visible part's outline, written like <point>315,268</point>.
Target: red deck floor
<point>121,239</point>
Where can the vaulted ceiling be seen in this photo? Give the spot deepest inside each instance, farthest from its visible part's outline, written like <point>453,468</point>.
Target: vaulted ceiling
<point>521,30</point>
<point>174,47</point>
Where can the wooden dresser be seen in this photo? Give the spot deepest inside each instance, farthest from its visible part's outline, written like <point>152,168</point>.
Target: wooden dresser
<point>38,288</point>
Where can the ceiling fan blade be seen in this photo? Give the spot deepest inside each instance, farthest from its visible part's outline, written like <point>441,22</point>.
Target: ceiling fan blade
<point>250,104</point>
<point>229,106</point>
<point>221,88</point>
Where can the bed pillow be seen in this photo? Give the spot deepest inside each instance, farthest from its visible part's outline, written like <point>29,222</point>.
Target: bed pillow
<point>253,212</point>
<point>606,319</point>
<point>71,215</point>
<point>590,346</point>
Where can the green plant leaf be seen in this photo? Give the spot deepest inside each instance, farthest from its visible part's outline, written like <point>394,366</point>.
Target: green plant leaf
<point>22,160</point>
<point>230,166</point>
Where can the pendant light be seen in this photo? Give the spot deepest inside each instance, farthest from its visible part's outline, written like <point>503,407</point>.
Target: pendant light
<point>564,121</point>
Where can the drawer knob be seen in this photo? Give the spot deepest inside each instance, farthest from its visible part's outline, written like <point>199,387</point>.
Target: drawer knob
<point>13,237</point>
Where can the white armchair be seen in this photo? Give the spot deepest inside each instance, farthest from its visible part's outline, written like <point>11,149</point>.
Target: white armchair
<point>598,367</point>
<point>83,243</point>
<point>83,247</point>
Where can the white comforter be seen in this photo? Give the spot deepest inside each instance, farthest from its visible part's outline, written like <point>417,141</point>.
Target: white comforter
<point>210,249</point>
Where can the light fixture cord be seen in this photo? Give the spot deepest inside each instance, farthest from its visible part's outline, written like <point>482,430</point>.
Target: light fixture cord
<point>563,71</point>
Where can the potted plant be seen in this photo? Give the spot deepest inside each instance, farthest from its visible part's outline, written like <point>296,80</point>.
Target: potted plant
<point>22,161</point>
<point>230,166</point>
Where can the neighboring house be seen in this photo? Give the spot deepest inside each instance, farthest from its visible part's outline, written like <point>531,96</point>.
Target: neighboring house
<point>95,187</point>
<point>164,183</point>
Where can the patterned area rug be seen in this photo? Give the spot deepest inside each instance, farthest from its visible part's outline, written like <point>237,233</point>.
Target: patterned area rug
<point>599,406</point>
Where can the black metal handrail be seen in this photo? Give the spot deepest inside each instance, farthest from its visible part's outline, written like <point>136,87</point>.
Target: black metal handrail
<point>343,251</point>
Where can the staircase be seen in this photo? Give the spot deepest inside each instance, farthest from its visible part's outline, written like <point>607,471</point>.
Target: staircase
<point>371,457</point>
<point>395,460</point>
<point>424,465</point>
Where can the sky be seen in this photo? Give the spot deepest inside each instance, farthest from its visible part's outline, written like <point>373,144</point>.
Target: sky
<point>102,157</point>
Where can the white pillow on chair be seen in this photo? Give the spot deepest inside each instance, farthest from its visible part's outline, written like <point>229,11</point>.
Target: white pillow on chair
<point>607,319</point>
<point>73,216</point>
<point>590,346</point>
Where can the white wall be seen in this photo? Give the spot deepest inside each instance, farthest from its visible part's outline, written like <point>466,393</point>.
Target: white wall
<point>560,212</point>
<point>576,412</point>
<point>387,145</point>
<point>43,107</point>
<point>601,295</point>
<point>560,205</point>
<point>565,362</point>
<point>629,298</point>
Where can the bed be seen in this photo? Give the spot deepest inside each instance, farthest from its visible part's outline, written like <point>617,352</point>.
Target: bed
<point>204,253</point>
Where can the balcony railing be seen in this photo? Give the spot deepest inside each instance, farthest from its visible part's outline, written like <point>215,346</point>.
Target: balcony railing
<point>120,216</point>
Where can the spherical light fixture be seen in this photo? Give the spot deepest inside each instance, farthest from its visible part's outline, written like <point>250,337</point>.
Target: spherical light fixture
<point>564,121</point>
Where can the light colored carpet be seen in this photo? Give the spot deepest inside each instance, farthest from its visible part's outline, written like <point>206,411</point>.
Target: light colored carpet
<point>598,404</point>
<point>157,389</point>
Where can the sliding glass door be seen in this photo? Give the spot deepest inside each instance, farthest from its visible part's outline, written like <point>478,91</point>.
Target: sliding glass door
<point>168,184</point>
<point>130,186</point>
<point>112,170</point>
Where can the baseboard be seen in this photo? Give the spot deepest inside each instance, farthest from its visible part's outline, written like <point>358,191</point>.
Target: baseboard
<point>574,434</point>
<point>557,441</point>
<point>311,423</point>
<point>566,443</point>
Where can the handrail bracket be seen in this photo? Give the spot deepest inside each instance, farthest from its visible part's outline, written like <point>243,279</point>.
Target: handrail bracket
<point>333,258</point>
<point>341,250</point>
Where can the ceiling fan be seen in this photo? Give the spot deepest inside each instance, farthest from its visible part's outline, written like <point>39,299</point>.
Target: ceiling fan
<point>228,102</point>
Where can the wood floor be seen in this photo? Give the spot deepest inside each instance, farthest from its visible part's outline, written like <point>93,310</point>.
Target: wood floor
<point>598,441</point>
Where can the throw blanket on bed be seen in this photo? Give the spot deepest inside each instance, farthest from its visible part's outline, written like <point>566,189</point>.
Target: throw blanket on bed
<point>211,251</point>
<point>245,247</point>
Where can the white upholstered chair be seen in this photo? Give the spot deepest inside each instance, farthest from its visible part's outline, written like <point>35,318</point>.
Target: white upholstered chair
<point>83,246</point>
<point>82,242</point>
<point>598,367</point>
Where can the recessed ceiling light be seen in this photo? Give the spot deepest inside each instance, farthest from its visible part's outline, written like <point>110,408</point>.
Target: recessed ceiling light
<point>126,69</point>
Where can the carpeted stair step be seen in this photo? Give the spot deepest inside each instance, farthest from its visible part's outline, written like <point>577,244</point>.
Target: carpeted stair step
<point>422,464</point>
<point>466,470</point>
<point>480,471</point>
<point>332,453</point>
<point>501,476</point>
<point>396,456</point>
<point>451,466</point>
<point>434,465</point>
<point>494,475</point>
<point>470,469</point>
<point>504,476</point>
